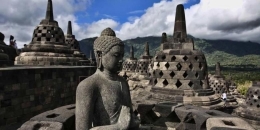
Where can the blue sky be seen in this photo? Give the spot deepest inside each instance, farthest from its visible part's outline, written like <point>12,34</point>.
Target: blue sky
<point>119,10</point>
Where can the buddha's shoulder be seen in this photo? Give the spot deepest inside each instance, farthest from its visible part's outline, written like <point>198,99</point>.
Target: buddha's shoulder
<point>90,82</point>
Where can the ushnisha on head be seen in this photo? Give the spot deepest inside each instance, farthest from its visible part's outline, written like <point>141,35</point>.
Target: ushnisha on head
<point>109,50</point>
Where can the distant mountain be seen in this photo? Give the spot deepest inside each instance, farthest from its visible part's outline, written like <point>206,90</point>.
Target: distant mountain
<point>226,52</point>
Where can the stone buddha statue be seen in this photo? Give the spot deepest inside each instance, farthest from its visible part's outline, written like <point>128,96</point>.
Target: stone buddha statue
<point>103,100</point>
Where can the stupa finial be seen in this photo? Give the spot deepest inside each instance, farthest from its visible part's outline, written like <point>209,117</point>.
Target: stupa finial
<point>164,37</point>
<point>218,70</point>
<point>180,23</point>
<point>69,31</point>
<point>132,52</point>
<point>146,52</point>
<point>49,11</point>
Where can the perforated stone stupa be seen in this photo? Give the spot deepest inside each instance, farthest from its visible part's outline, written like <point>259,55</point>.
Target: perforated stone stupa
<point>179,72</point>
<point>73,43</point>
<point>217,81</point>
<point>48,45</point>
<point>129,65</point>
<point>144,61</point>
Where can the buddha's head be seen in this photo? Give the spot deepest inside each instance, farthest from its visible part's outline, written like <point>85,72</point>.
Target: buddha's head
<point>2,37</point>
<point>109,51</point>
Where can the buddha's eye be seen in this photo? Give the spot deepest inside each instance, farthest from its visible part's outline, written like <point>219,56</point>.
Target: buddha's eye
<point>116,55</point>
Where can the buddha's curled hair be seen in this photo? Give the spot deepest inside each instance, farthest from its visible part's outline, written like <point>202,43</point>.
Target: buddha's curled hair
<point>106,41</point>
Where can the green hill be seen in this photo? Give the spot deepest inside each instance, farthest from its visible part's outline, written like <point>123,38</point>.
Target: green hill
<point>228,53</point>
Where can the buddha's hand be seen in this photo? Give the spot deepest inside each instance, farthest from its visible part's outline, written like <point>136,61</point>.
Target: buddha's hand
<point>124,118</point>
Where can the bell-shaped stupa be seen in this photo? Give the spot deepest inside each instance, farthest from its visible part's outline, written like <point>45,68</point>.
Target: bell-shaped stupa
<point>144,61</point>
<point>48,45</point>
<point>129,65</point>
<point>179,72</point>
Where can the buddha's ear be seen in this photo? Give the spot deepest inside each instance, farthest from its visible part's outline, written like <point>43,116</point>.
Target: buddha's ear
<point>99,53</point>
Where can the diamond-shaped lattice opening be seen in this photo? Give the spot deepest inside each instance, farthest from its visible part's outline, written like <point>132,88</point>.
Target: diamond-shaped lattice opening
<point>200,65</point>
<point>173,58</point>
<point>178,66</point>
<point>161,73</point>
<point>165,82</point>
<point>185,74</point>
<point>258,106</point>
<point>155,81</point>
<point>163,57</point>
<point>255,100</point>
<point>154,72</point>
<point>190,84</point>
<point>185,58</point>
<point>172,74</point>
<point>167,65</point>
<point>201,83</point>
<point>190,66</point>
<point>197,75</point>
<point>178,84</point>
<point>196,58</point>
<point>156,57</point>
<point>158,64</point>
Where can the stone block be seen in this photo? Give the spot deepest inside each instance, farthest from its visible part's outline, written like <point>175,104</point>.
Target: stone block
<point>188,46</point>
<point>41,125</point>
<point>227,123</point>
<point>64,115</point>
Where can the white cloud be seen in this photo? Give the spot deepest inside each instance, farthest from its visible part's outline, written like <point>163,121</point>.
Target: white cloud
<point>221,19</point>
<point>209,19</point>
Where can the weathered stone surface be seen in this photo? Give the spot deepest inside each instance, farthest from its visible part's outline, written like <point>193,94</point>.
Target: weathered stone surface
<point>41,125</point>
<point>36,90</point>
<point>227,123</point>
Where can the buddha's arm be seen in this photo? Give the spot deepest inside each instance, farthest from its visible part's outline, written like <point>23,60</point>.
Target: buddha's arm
<point>122,123</point>
<point>134,121</point>
<point>84,107</point>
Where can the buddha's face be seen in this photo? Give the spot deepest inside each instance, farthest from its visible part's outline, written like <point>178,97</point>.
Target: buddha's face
<point>112,60</point>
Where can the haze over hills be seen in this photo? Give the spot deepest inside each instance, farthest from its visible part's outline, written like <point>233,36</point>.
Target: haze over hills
<point>232,53</point>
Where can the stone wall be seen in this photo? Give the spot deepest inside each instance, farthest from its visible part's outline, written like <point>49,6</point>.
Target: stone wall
<point>27,91</point>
